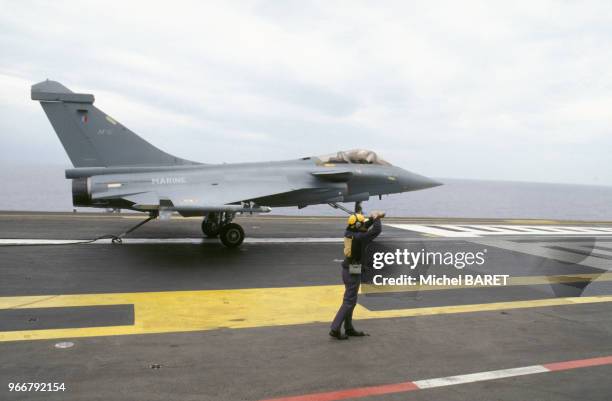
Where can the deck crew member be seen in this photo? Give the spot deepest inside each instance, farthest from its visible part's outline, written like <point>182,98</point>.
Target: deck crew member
<point>359,233</point>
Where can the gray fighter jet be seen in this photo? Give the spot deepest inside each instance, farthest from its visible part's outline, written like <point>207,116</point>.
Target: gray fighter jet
<point>115,168</point>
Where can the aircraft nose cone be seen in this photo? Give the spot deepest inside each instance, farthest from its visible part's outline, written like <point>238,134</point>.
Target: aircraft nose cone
<point>413,182</point>
<point>429,183</point>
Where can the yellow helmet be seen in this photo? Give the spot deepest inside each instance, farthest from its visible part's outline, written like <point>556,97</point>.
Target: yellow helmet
<point>356,218</point>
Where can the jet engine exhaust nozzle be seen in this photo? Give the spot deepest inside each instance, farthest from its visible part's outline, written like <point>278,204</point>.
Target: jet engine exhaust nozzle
<point>81,191</point>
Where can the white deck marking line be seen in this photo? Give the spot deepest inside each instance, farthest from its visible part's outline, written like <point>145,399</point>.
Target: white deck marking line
<point>441,231</point>
<point>480,376</point>
<point>19,241</point>
<point>139,241</point>
<point>473,230</point>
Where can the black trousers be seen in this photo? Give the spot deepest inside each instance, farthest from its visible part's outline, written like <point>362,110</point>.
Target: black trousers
<point>351,290</point>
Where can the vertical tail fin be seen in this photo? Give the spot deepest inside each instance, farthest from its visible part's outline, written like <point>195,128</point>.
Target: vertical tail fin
<point>90,137</point>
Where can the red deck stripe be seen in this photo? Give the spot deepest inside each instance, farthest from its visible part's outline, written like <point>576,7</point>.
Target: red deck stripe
<point>579,363</point>
<point>352,393</point>
<point>410,386</point>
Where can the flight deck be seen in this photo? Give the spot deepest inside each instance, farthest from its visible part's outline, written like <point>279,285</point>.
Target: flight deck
<point>168,315</point>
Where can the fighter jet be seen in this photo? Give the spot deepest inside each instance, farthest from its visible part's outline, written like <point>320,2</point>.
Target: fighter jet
<point>115,168</point>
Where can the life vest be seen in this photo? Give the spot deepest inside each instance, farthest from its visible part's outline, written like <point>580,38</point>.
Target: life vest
<point>348,243</point>
<point>352,249</point>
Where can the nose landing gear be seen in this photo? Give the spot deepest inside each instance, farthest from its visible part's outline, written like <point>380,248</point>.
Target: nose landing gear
<point>220,224</point>
<point>358,207</point>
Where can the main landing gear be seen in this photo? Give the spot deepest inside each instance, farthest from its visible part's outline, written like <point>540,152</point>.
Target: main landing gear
<point>220,224</point>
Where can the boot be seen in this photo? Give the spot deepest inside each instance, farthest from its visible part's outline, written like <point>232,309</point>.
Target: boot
<point>355,333</point>
<point>338,335</point>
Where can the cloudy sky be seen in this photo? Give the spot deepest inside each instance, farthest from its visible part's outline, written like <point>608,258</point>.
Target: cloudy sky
<point>491,90</point>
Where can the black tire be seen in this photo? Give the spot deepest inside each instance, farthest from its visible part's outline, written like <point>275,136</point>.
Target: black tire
<point>231,235</point>
<point>210,228</point>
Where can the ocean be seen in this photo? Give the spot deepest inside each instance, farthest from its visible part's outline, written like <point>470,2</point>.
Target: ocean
<point>44,188</point>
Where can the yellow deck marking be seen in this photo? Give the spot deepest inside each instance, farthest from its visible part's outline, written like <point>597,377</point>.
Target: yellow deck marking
<point>443,310</point>
<point>512,281</point>
<point>182,311</point>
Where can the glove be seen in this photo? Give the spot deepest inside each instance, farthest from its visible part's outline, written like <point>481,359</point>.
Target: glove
<point>377,215</point>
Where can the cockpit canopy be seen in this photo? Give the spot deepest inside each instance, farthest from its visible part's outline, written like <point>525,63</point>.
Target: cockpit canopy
<point>355,156</point>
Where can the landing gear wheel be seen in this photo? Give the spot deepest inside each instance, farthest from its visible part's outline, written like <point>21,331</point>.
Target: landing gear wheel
<point>210,228</point>
<point>231,235</point>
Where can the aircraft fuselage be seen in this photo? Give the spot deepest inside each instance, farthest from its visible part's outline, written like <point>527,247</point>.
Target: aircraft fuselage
<point>305,182</point>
